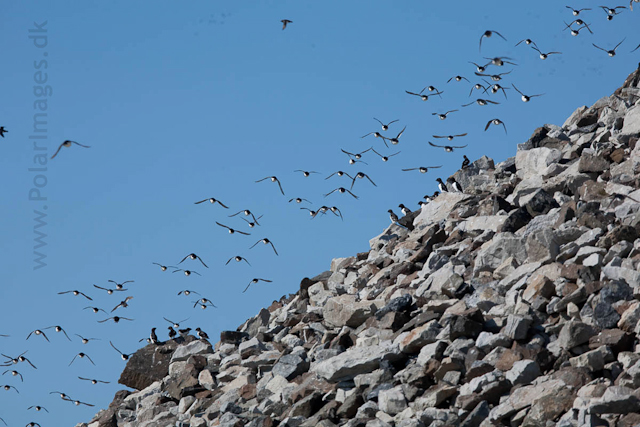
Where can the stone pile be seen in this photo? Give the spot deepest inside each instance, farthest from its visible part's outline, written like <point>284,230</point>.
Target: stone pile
<point>515,302</point>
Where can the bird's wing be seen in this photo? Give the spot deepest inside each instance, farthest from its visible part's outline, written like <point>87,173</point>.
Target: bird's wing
<point>58,150</point>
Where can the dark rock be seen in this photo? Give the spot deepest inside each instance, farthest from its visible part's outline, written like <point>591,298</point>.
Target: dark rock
<point>400,304</point>
<point>350,406</point>
<point>477,416</point>
<point>617,339</point>
<point>149,364</point>
<point>536,202</point>
<point>516,219</point>
<point>233,337</point>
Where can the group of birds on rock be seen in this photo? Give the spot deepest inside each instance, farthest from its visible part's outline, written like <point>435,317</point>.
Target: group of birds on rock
<point>487,69</point>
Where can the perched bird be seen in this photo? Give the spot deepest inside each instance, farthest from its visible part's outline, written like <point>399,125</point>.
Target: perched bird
<point>184,332</point>
<point>78,403</point>
<point>266,242</point>
<point>202,334</point>
<point>189,272</point>
<point>254,281</point>
<point>576,12</point>
<point>454,184</point>
<point>525,98</point>
<point>116,319</point>
<point>163,267</point>
<point>341,190</point>
<point>300,199</point>
<point>306,174</point>
<point>394,218</point>
<point>285,22</point>
<point>153,336</point>
<point>422,169</point>
<point>122,355</point>
<point>58,329</point>
<point>543,55</point>
<point>527,42</point>
<point>340,173</point>
<point>386,158</point>
<point>231,230</point>
<point>94,381</point>
<point>68,143</point>
<point>176,324</point>
<point>14,374</point>
<point>109,291</point>
<point>172,332</point>
<point>76,293</point>
<point>247,212</point>
<point>193,257</point>
<point>494,77</point>
<point>488,34</point>
<point>3,130</point>
<point>447,148</point>
<point>423,96</point>
<point>450,137</point>
<point>457,78</point>
<point>81,356</point>
<point>212,200</point>
<point>119,286</point>
<point>237,258</point>
<point>86,340</point>
<point>405,210</point>
<point>481,102</point>
<point>611,52</point>
<point>385,127</point>
<point>187,292</point>
<point>443,116</point>
<point>38,332</point>
<point>273,179</point>
<point>37,408</point>
<point>361,175</point>
<point>465,162</point>
<point>122,304</point>
<point>495,122</point>
<point>442,186</point>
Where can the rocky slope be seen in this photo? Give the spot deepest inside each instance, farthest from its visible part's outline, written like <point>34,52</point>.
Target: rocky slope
<point>515,303</point>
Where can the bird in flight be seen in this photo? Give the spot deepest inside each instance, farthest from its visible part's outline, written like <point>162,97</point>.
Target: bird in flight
<point>176,324</point>
<point>341,190</point>
<point>450,137</point>
<point>76,293</point>
<point>59,329</point>
<point>266,242</point>
<point>457,78</point>
<point>488,34</point>
<point>423,96</point>
<point>94,309</point>
<point>86,340</point>
<point>447,148</point>
<point>212,201</point>
<point>356,156</point>
<point>273,179</point>
<point>110,291</point>
<point>81,356</point>
<point>187,292</point>
<point>422,169</point>
<point>122,355</point>
<point>340,173</point>
<point>306,174</point>
<point>543,55</point>
<point>163,267</point>
<point>2,131</point>
<point>14,373</point>
<point>122,304</point>
<point>385,158</point>
<point>193,257</point>
<point>525,98</point>
<point>300,199</point>
<point>285,22</point>
<point>611,52</point>
<point>232,230</point>
<point>116,319</point>
<point>361,175</point>
<point>443,116</point>
<point>119,286</point>
<point>576,12</point>
<point>93,381</point>
<point>37,408</point>
<point>38,332</point>
<point>254,281</point>
<point>247,212</point>
<point>527,42</point>
<point>494,77</point>
<point>385,127</point>
<point>495,122</point>
<point>67,143</point>
<point>237,258</point>
<point>187,272</point>
<point>481,102</point>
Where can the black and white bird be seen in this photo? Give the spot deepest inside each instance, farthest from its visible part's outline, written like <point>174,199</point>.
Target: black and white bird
<point>494,88</point>
<point>477,86</point>
<point>356,156</point>
<point>480,68</point>
<point>465,162</point>
<point>116,319</point>
<point>109,291</point>
<point>76,293</point>
<point>237,258</point>
<point>232,230</point>
<point>119,286</point>
<point>38,332</point>
<point>611,52</point>
<point>14,373</point>
<point>188,272</point>
<point>450,137</point>
<point>386,158</point>
<point>394,218</point>
<point>78,403</point>
<point>20,358</point>
<point>9,387</point>
<point>273,179</point>
<point>254,281</point>
<point>422,169</point>
<point>204,302</point>
<point>153,337</point>
<point>285,22</point>
<point>172,332</point>
<point>385,127</point>
<point>86,340</point>
<point>481,102</point>
<point>447,148</point>
<point>336,211</point>
<point>38,408</point>
<point>395,140</point>
<point>443,116</point>
<point>67,143</point>
<point>612,11</point>
<point>163,267</point>
<point>212,200</point>
<point>123,303</point>
<point>94,381</point>
<point>499,61</point>
<point>202,334</point>
<point>306,174</point>
<point>176,324</point>
<point>341,190</point>
<point>81,356</point>
<point>576,31</point>
<point>265,241</point>
<point>457,78</point>
<point>422,95</point>
<point>405,210</point>
<point>187,292</point>
<point>58,328</point>
<point>251,223</point>
<point>576,12</point>
<point>494,77</point>
<point>246,212</point>
<point>495,122</point>
<point>340,173</point>
<point>300,199</point>
<point>122,355</point>
<point>527,42</point>
<point>361,175</point>
<point>525,98</point>
<point>453,184</point>
<point>442,186</point>
<point>193,257</point>
<point>488,34</point>
<point>94,309</point>
<point>544,55</point>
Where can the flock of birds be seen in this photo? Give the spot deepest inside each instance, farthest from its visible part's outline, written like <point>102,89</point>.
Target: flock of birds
<point>492,83</point>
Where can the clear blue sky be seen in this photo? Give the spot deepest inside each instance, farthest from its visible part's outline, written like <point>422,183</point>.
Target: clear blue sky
<point>181,101</point>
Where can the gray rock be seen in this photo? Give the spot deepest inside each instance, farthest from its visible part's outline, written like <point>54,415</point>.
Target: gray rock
<point>574,333</point>
<point>355,361</point>
<point>291,365</point>
<point>345,311</point>
<point>523,372</point>
<point>392,401</point>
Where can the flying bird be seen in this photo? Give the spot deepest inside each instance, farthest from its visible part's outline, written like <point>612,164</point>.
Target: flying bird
<point>576,31</point>
<point>59,329</point>
<point>93,381</point>
<point>81,356</point>
<point>110,291</point>
<point>116,319</point>
<point>231,230</point>
<point>481,102</point>
<point>212,201</point>
<point>443,116</point>
<point>495,122</point>
<point>356,156</point>
<point>361,175</point>
<point>266,242</point>
<point>611,52</point>
<point>187,272</point>
<point>385,158</point>
<point>423,96</point>
<point>300,199</point>
<point>14,374</point>
<point>273,179</point>
<point>122,355</point>
<point>38,408</point>
<point>306,174</point>
<point>478,86</point>
<point>78,403</point>
<point>385,127</point>
<point>3,130</point>
<point>68,143</point>
<point>543,55</point>
<point>86,340</point>
<point>254,281</point>
<point>396,139</point>
<point>176,324</point>
<point>193,257</point>
<point>285,22</point>
<point>527,42</point>
<point>576,12</point>
<point>250,223</point>
<point>488,34</point>
<point>457,78</point>
<point>162,267</point>
<point>341,190</point>
<point>38,332</point>
<point>494,77</point>
<point>336,212</point>
<point>247,212</point>
<point>204,302</point>
<point>76,293</point>
<point>422,169</point>
<point>187,292</point>
<point>237,258</point>
<point>450,137</point>
<point>499,61</point>
<point>9,387</point>
<point>122,304</point>
<point>447,148</point>
<point>339,173</point>
<point>480,68</point>
<point>119,286</point>
<point>525,98</point>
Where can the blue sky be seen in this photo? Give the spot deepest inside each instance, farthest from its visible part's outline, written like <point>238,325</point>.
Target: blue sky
<point>185,101</point>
